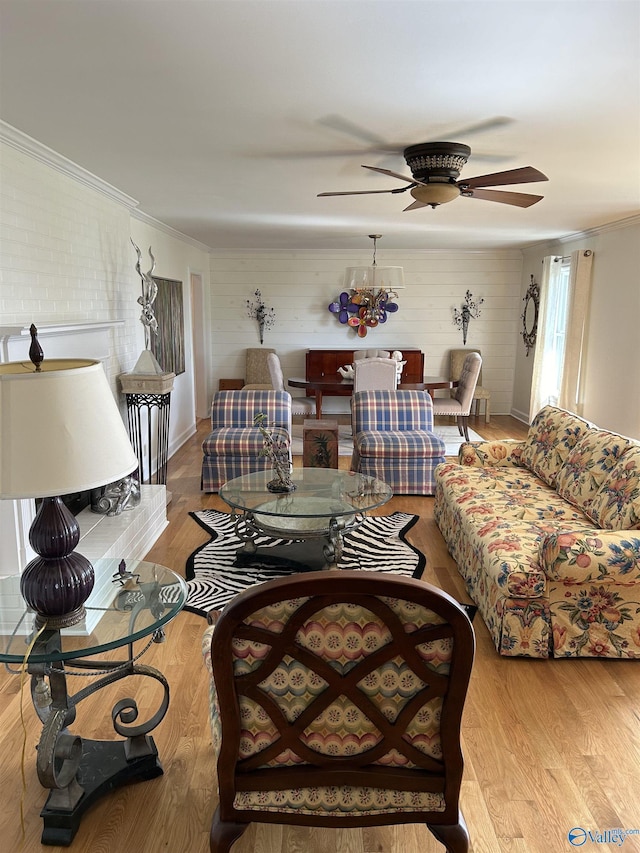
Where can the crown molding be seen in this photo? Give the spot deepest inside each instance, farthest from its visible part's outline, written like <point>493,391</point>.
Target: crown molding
<point>27,145</point>
<point>590,232</point>
<point>167,229</point>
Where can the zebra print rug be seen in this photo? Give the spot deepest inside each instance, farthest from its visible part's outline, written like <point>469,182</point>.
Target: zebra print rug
<point>377,545</point>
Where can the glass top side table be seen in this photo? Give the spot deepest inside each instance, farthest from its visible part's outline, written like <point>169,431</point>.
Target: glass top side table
<point>325,505</point>
<point>142,598</point>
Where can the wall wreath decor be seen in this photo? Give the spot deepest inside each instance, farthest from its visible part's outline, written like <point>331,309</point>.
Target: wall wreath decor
<point>531,301</point>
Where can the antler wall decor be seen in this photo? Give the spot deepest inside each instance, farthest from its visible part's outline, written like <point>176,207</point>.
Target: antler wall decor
<point>470,311</point>
<point>149,293</point>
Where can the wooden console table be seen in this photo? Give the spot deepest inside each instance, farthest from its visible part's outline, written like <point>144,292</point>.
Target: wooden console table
<point>324,364</point>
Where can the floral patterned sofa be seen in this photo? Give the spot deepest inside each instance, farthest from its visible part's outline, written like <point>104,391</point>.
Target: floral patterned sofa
<point>546,534</point>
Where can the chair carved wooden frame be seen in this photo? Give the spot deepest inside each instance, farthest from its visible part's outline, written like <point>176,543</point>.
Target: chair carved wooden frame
<point>339,704</point>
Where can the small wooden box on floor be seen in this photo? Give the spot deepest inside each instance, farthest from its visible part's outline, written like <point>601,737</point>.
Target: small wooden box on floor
<point>320,444</point>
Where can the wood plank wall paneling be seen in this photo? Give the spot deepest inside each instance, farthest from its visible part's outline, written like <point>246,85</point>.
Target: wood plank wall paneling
<point>300,287</point>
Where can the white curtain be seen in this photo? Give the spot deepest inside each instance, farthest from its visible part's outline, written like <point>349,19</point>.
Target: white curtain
<point>575,349</point>
<point>558,367</point>
<point>543,383</point>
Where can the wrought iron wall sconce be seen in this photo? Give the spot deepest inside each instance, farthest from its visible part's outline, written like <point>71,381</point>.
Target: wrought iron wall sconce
<point>470,310</point>
<point>258,311</point>
<point>530,315</point>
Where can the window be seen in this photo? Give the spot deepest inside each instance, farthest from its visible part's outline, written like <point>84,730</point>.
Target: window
<point>557,314</point>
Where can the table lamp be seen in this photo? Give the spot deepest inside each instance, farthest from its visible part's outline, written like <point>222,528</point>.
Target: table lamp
<point>60,432</point>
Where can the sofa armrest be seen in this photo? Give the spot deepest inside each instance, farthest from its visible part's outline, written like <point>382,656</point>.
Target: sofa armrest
<point>598,556</point>
<point>481,454</point>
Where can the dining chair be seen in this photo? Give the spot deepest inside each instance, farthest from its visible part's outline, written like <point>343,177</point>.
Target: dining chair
<point>459,405</point>
<point>336,700</point>
<point>256,372</point>
<point>372,374</point>
<point>456,360</point>
<point>299,405</point>
<point>371,353</point>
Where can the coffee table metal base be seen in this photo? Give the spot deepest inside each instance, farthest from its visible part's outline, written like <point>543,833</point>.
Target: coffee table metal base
<point>314,543</point>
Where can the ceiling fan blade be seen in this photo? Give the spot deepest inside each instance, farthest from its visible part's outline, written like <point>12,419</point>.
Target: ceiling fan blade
<point>415,206</point>
<point>525,175</point>
<point>516,199</point>
<point>343,125</point>
<point>479,127</point>
<point>365,192</point>
<point>391,174</point>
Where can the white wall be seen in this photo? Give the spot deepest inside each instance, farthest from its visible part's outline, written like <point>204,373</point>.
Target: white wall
<point>611,389</point>
<point>300,287</point>
<point>65,254</point>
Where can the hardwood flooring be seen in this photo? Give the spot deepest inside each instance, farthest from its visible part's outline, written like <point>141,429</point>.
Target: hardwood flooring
<point>549,745</point>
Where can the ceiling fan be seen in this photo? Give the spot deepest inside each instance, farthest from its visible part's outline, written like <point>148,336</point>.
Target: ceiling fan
<point>435,169</point>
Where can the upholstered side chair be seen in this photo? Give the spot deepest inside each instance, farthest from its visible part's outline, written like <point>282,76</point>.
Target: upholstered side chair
<point>371,353</point>
<point>393,439</point>
<point>256,372</point>
<point>459,405</point>
<point>299,405</point>
<point>456,360</point>
<point>371,374</point>
<point>233,446</point>
<point>339,704</point>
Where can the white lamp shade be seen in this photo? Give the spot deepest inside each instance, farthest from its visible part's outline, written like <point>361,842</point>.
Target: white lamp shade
<point>374,278</point>
<point>60,429</point>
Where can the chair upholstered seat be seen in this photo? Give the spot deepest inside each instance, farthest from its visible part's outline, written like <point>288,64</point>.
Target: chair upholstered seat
<point>233,447</point>
<point>371,374</point>
<point>338,704</point>
<point>393,439</point>
<point>459,405</point>
<point>256,371</point>
<point>456,360</point>
<point>299,405</point>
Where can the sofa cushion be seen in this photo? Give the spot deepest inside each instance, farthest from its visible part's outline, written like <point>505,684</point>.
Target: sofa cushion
<point>552,435</point>
<point>240,441</point>
<point>588,466</point>
<point>616,504</point>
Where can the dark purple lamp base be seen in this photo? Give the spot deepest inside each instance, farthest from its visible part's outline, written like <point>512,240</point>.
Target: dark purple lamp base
<point>57,583</point>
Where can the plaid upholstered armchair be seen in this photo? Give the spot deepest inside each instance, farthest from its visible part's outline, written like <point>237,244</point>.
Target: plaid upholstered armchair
<point>393,439</point>
<point>336,701</point>
<point>233,446</point>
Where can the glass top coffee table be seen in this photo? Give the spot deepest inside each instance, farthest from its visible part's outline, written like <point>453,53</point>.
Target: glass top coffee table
<point>326,504</point>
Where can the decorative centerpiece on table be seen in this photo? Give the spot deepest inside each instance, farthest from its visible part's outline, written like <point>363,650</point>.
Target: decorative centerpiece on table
<point>277,451</point>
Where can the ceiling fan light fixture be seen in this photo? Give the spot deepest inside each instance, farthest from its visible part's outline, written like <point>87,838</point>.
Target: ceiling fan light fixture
<point>436,193</point>
<point>441,159</point>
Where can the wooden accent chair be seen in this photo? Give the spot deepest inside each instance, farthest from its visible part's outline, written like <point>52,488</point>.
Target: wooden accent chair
<point>459,405</point>
<point>456,360</point>
<point>336,701</point>
<point>393,439</point>
<point>233,446</point>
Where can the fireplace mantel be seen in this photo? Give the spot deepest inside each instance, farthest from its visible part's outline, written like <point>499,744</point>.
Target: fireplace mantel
<point>82,339</point>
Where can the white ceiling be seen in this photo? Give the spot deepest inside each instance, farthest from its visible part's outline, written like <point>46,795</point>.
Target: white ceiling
<point>213,115</point>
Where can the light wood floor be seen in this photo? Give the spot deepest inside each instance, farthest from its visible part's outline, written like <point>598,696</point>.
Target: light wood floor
<point>549,745</point>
